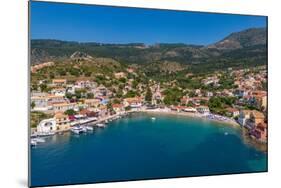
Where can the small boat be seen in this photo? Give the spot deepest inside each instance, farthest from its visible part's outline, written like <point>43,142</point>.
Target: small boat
<point>89,128</point>
<point>77,129</point>
<point>101,125</point>
<point>41,134</point>
<point>226,133</point>
<point>33,143</point>
<point>153,118</point>
<point>38,140</point>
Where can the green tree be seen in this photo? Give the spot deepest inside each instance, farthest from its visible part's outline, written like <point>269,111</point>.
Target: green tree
<point>52,75</point>
<point>61,72</point>
<point>74,72</point>
<point>148,95</point>
<point>87,73</point>
<point>131,94</point>
<point>68,95</point>
<point>119,93</point>
<point>32,104</point>
<point>90,95</point>
<point>109,107</point>
<point>123,80</point>
<point>79,93</point>
<point>172,96</point>
<point>134,84</point>
<point>70,112</point>
<point>116,101</point>
<point>34,87</point>
<point>127,108</point>
<point>44,88</point>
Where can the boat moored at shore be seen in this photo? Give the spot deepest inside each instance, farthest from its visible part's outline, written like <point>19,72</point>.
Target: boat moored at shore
<point>101,125</point>
<point>77,129</point>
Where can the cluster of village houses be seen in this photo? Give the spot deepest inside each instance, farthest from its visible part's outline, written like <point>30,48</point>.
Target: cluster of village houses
<point>55,102</point>
<point>248,92</point>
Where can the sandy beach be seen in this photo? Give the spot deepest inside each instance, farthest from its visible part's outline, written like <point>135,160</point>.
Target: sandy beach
<point>188,114</point>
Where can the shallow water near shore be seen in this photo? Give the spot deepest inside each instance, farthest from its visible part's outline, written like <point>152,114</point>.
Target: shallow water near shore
<point>138,147</point>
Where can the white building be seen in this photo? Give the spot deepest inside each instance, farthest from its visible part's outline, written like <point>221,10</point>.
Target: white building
<point>47,125</point>
<point>203,109</point>
<point>189,109</point>
<point>81,84</point>
<point>70,89</point>
<point>58,91</point>
<point>40,103</point>
<point>209,94</point>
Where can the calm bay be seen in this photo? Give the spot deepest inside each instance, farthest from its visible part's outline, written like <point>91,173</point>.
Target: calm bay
<point>139,147</point>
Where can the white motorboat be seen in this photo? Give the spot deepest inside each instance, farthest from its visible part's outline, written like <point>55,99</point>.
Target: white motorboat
<point>38,140</point>
<point>153,118</point>
<point>77,129</point>
<point>33,142</point>
<point>101,125</point>
<point>89,128</point>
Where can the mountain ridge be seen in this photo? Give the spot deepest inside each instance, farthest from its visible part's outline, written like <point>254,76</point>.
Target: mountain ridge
<point>247,44</point>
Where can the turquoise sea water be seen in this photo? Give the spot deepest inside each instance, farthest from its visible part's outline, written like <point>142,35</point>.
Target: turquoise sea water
<point>138,147</point>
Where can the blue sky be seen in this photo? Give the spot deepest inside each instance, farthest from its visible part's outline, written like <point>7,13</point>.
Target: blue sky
<point>89,23</point>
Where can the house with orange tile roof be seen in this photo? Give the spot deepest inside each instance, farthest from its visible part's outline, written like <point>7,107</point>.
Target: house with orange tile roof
<point>92,102</point>
<point>59,82</point>
<point>63,106</point>
<point>62,121</point>
<point>133,102</point>
<point>88,113</point>
<point>233,112</point>
<point>256,117</point>
<point>118,108</point>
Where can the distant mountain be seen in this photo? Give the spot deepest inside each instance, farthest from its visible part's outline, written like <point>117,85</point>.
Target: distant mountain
<point>242,48</point>
<point>243,39</point>
<point>39,55</point>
